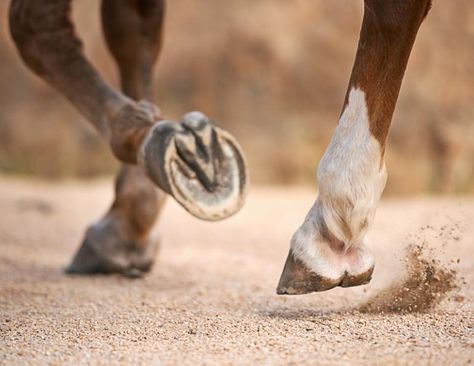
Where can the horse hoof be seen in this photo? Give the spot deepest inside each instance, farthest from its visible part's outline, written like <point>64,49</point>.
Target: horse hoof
<point>105,250</point>
<point>199,164</point>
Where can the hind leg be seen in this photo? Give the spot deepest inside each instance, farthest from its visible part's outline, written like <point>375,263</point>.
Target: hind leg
<point>121,241</point>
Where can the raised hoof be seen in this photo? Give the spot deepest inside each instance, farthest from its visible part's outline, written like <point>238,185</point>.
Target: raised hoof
<point>297,279</point>
<point>199,164</point>
<point>104,252</point>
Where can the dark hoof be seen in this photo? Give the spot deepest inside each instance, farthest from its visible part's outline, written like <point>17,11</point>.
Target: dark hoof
<point>199,164</point>
<point>103,251</point>
<point>297,279</point>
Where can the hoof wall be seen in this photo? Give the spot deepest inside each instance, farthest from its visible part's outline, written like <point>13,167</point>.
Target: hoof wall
<point>297,279</point>
<point>104,252</point>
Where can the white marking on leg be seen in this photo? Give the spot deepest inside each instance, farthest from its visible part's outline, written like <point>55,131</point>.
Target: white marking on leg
<point>351,177</point>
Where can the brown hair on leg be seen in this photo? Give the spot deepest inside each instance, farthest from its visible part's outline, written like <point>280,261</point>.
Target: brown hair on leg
<point>133,35</point>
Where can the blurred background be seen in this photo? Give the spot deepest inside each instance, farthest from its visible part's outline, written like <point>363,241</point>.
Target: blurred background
<point>274,73</point>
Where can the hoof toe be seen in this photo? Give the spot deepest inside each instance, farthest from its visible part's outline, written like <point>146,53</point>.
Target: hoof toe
<point>297,279</point>
<point>86,260</point>
<point>199,164</point>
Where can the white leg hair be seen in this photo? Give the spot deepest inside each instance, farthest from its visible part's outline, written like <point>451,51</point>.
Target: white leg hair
<point>351,177</point>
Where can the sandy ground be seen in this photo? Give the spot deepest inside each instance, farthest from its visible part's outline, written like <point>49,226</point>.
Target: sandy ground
<point>211,296</point>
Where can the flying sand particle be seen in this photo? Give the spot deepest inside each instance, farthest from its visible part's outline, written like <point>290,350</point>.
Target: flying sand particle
<point>427,282</point>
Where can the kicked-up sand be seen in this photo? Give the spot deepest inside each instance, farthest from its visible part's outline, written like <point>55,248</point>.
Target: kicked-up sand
<point>210,299</point>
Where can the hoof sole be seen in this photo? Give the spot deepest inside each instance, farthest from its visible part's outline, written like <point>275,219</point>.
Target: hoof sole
<point>200,165</point>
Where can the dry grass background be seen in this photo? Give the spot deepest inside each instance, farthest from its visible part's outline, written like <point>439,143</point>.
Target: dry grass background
<point>274,73</point>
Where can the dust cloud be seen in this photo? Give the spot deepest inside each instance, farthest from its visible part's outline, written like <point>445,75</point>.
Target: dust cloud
<point>426,283</point>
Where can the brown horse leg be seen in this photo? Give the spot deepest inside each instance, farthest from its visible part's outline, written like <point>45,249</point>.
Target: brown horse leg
<point>329,249</point>
<point>121,241</point>
<point>196,162</point>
